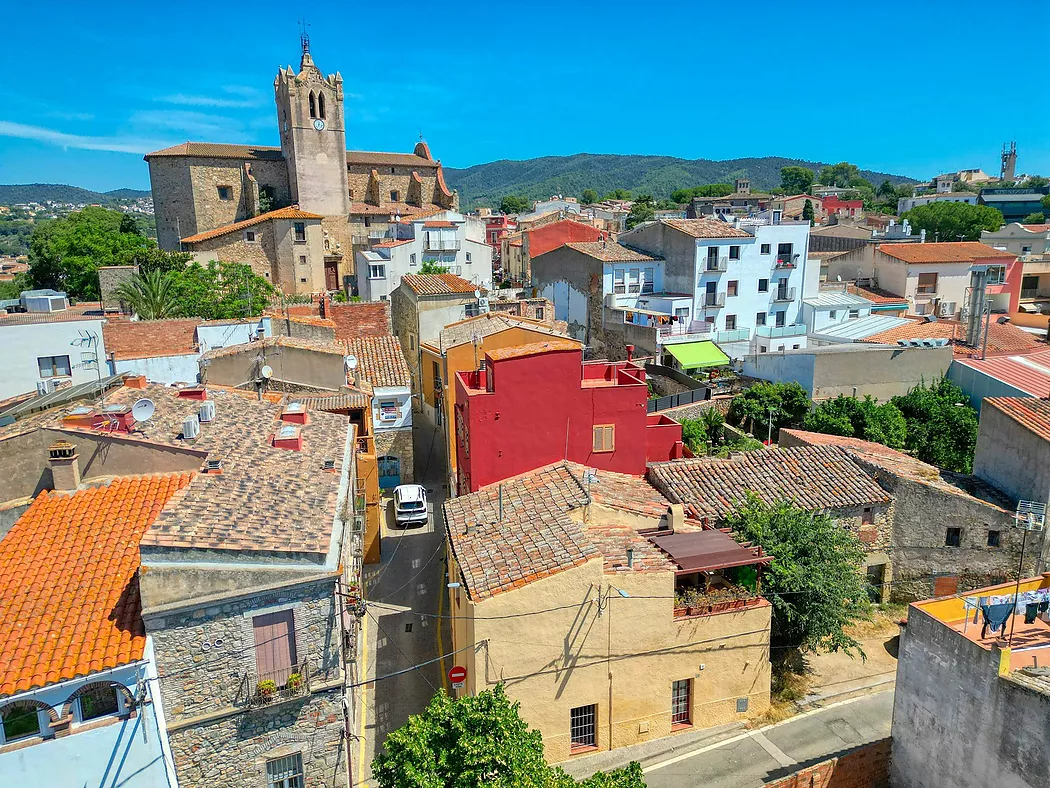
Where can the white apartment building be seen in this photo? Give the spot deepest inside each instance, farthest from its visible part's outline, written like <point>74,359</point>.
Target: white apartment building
<point>747,277</point>
<point>907,203</point>
<point>45,351</point>
<point>450,240</point>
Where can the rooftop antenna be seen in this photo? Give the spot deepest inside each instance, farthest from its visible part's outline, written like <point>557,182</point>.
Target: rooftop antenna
<point>1030,516</point>
<point>304,37</point>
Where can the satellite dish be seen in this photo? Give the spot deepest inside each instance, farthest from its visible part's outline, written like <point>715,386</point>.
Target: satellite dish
<point>838,277</point>
<point>351,362</point>
<point>143,409</point>
<point>477,294</point>
<point>266,371</point>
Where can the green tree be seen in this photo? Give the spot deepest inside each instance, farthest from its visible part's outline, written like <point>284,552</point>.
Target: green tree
<point>953,221</point>
<point>476,741</point>
<point>682,196</point>
<point>618,194</point>
<point>65,254</point>
<point>855,418</point>
<point>1046,202</point>
<point>643,210</point>
<point>941,425</point>
<point>714,424</point>
<point>430,267</point>
<point>589,196</point>
<point>219,291</point>
<point>150,295</point>
<point>796,180</point>
<point>961,186</point>
<point>814,582</point>
<point>1036,181</point>
<point>807,211</point>
<point>841,174</point>
<point>788,402</point>
<point>1034,218</point>
<point>514,204</point>
<point>151,258</point>
<point>694,435</point>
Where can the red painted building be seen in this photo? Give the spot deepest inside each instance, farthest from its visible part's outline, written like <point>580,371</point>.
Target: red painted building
<point>535,404</point>
<point>497,226</point>
<point>548,237</point>
<point>851,208</point>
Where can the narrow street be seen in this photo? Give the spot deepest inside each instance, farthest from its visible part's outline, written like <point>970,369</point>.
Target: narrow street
<point>401,628</point>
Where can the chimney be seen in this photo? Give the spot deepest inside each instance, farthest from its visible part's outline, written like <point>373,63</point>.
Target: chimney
<point>65,465</point>
<point>676,516</point>
<point>630,352</point>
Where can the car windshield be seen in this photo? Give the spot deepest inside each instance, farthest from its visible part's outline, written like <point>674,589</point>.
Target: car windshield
<point>411,504</point>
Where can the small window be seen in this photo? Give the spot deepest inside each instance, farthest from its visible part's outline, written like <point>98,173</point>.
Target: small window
<point>302,280</point>
<point>412,259</point>
<point>286,772</point>
<point>833,314</point>
<point>21,722</point>
<point>794,347</point>
<point>377,272</point>
<point>734,252</point>
<point>732,287</point>
<point>300,232</point>
<point>249,236</point>
<point>763,285</point>
<point>633,283</point>
<point>320,104</point>
<point>1026,250</point>
<point>468,257</point>
<point>766,249</point>
<point>760,319</point>
<point>618,281</point>
<point>604,437</point>
<point>761,348</point>
<point>437,372</point>
<point>302,259</point>
<point>313,105</point>
<point>681,702</point>
<point>583,726</point>
<point>368,221</point>
<point>854,314</point>
<point>996,275</point>
<point>953,537</point>
<point>730,322</point>
<point>993,538</point>
<point>395,196</point>
<point>53,366</point>
<point>225,193</point>
<point>781,319</point>
<point>867,517</point>
<point>539,313</point>
<point>98,702</point>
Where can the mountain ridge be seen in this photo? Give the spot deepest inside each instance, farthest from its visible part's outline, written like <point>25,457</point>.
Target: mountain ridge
<point>14,193</point>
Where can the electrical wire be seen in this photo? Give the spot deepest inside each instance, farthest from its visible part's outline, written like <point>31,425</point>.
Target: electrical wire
<point>408,659</point>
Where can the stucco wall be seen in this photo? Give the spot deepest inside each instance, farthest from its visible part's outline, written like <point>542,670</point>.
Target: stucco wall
<point>624,660</point>
<point>291,366</point>
<point>956,722</point>
<point>24,344</point>
<point>1012,458</point>
<point>161,369</point>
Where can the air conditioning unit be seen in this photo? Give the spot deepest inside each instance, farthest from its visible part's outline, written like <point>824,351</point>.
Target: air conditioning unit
<point>191,428</point>
<point>207,411</point>
<point>946,308</point>
<point>43,387</point>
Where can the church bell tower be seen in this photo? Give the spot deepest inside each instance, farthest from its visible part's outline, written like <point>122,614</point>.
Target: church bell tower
<point>313,136</point>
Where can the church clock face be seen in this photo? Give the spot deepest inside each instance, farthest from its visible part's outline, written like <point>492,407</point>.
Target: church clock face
<point>319,124</point>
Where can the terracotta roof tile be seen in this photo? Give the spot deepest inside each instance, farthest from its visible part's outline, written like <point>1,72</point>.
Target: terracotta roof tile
<point>215,150</point>
<point>486,324</point>
<point>947,252</point>
<point>382,360</point>
<point>875,295</point>
<point>1029,412</point>
<point>813,478</point>
<point>69,594</point>
<point>706,228</point>
<point>291,212</point>
<point>320,346</point>
<point>534,348</point>
<point>360,319</point>
<point>437,284</point>
<point>1003,338</point>
<point>609,251</point>
<point>128,339</point>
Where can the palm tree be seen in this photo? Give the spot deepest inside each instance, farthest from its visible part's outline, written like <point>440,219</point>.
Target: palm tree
<point>149,295</point>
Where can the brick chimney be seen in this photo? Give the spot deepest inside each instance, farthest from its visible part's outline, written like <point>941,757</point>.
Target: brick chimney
<point>65,465</point>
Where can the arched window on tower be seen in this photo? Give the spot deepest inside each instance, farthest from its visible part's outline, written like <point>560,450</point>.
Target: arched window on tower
<point>320,104</point>
<point>313,105</point>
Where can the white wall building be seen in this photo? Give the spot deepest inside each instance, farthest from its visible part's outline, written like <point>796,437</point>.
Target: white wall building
<point>49,350</point>
<point>831,308</point>
<point>449,239</point>
<point>907,203</point>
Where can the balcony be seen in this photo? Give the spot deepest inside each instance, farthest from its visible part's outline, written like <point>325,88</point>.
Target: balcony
<point>786,262</point>
<point>441,244</point>
<point>777,332</point>
<point>784,294</point>
<point>692,602</point>
<point>277,686</point>
<point>359,240</point>
<point>684,332</point>
<point>732,335</point>
<point>714,300</point>
<point>713,266</point>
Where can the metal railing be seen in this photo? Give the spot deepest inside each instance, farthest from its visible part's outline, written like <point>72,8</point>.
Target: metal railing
<point>262,689</point>
<point>677,400</point>
<point>442,245</point>
<point>713,266</point>
<point>715,300</point>
<point>786,261</point>
<point>774,332</point>
<point>784,294</point>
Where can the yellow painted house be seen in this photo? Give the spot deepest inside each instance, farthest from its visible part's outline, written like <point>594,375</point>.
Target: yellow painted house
<point>460,347</point>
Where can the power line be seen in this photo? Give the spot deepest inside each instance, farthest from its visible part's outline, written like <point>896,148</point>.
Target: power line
<point>400,651</point>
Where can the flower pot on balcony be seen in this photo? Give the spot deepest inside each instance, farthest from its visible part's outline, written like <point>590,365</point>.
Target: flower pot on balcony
<point>295,682</point>
<point>265,690</point>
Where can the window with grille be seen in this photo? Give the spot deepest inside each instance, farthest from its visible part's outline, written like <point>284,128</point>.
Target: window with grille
<point>633,282</point>
<point>681,697</point>
<point>20,722</point>
<point>286,772</point>
<point>582,726</point>
<point>604,437</point>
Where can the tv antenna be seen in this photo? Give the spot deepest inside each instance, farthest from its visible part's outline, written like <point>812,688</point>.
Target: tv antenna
<point>304,37</point>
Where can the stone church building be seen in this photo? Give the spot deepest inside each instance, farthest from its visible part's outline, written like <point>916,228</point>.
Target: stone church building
<point>298,213</point>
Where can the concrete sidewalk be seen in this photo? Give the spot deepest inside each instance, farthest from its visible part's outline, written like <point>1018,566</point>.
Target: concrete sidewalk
<point>730,757</point>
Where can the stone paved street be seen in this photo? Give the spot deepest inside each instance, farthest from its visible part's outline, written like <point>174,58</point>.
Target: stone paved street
<point>407,581</point>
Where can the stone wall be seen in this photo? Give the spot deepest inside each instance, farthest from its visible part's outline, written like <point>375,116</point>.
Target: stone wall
<point>310,328</point>
<point>110,278</point>
<point>865,767</point>
<point>260,254</point>
<point>398,443</point>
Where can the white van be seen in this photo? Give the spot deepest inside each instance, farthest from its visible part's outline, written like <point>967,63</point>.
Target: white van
<point>410,504</point>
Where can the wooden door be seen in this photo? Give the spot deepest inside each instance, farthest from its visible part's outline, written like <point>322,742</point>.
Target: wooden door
<point>331,275</point>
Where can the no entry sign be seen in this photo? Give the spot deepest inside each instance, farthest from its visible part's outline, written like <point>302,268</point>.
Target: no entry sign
<point>457,674</point>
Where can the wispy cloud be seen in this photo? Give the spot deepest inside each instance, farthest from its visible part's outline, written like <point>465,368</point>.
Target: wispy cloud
<point>63,140</point>
<point>63,115</point>
<point>185,122</point>
<point>237,97</point>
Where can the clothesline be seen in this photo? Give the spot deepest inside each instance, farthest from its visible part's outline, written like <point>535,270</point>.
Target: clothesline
<point>1024,599</point>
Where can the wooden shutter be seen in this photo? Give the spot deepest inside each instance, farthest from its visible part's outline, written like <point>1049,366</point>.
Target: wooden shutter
<point>604,437</point>
<point>274,644</point>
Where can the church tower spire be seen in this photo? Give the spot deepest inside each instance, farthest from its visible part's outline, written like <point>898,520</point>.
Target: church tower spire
<point>313,135</point>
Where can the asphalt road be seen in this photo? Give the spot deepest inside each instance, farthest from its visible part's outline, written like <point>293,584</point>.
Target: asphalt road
<point>407,581</point>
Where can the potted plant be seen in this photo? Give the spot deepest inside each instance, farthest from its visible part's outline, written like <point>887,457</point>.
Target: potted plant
<point>295,682</point>
<point>266,689</point>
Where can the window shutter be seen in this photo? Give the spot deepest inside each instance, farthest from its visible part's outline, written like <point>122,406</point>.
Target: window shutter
<point>274,642</point>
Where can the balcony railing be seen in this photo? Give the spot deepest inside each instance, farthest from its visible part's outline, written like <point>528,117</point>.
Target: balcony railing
<point>1032,292</point>
<point>784,294</point>
<point>732,335</point>
<point>359,240</point>
<point>442,245</point>
<point>927,291</point>
<point>713,266</point>
<point>774,332</point>
<point>262,689</point>
<point>786,261</point>
<point>707,603</point>
<point>714,300</point>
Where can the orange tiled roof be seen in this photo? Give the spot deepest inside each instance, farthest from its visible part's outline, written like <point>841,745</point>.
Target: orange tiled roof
<point>69,594</point>
<point>608,251</point>
<point>391,244</point>
<point>219,150</point>
<point>706,228</point>
<point>437,284</point>
<point>533,348</point>
<point>1002,337</point>
<point>382,360</point>
<point>874,295</point>
<point>947,252</point>
<point>291,212</point>
<point>126,339</point>
<point>1030,412</point>
<point>356,319</point>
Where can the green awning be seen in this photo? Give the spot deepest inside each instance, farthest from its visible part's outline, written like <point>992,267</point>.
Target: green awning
<point>697,355</point>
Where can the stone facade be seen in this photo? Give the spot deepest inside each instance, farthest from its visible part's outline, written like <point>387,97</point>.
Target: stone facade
<point>110,278</point>
<point>864,767</point>
<point>207,666</point>
<point>398,443</point>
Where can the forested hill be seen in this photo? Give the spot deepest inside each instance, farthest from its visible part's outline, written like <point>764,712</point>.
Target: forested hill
<point>485,184</point>
<point>57,192</point>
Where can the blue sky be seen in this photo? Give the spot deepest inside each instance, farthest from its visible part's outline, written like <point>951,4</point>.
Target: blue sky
<point>902,87</point>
